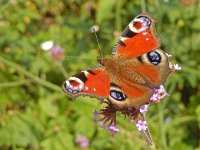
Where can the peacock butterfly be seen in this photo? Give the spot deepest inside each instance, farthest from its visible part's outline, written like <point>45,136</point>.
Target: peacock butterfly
<point>129,77</point>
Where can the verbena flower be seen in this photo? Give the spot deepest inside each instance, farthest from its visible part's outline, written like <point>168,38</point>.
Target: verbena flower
<point>144,108</point>
<point>57,52</point>
<point>159,94</point>
<point>141,125</point>
<point>82,141</point>
<point>108,115</point>
<point>113,130</point>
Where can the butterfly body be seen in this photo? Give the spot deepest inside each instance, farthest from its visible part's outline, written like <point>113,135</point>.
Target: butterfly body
<point>129,77</point>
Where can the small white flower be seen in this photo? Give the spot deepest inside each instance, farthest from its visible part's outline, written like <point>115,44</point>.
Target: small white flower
<point>177,67</point>
<point>94,28</point>
<point>170,65</point>
<point>47,45</point>
<point>168,55</point>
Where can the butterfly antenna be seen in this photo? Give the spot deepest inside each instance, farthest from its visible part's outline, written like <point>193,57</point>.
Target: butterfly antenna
<point>95,33</point>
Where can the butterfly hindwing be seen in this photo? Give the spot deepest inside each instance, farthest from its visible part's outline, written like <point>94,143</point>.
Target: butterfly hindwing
<point>133,80</point>
<point>125,94</point>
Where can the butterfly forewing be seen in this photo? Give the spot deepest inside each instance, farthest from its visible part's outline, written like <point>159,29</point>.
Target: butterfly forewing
<point>138,38</point>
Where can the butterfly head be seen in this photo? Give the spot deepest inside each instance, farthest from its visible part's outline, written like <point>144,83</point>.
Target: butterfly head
<point>140,24</point>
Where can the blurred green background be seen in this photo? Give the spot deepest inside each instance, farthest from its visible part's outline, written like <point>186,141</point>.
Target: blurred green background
<point>36,114</point>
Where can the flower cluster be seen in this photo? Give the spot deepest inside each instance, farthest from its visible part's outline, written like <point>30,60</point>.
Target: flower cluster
<point>141,125</point>
<point>55,51</point>
<point>159,94</point>
<point>174,67</point>
<point>108,116</point>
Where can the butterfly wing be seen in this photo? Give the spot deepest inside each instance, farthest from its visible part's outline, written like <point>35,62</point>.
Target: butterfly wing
<point>92,82</point>
<point>143,65</point>
<point>138,38</point>
<point>140,43</point>
<point>136,67</point>
<point>134,80</point>
<point>126,94</point>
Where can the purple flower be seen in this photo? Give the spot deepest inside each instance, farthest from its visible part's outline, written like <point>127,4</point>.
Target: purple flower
<point>82,141</point>
<point>144,108</point>
<point>108,115</point>
<point>57,52</point>
<point>90,8</point>
<point>113,130</point>
<point>95,113</point>
<point>141,125</point>
<point>159,94</point>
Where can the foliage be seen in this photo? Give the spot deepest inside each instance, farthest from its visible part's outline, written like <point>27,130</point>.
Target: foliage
<point>34,111</point>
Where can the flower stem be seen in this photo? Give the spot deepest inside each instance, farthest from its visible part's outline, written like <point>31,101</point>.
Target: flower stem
<point>143,6</point>
<point>4,7</point>
<point>146,135</point>
<point>162,129</point>
<point>30,75</point>
<point>62,69</point>
<point>14,83</point>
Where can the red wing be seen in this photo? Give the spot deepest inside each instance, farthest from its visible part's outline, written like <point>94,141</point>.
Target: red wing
<point>138,38</point>
<point>94,83</point>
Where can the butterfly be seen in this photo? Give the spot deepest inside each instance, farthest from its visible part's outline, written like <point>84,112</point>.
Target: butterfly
<point>129,77</point>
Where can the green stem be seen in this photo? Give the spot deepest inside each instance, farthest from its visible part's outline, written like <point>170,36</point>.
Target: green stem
<point>162,129</point>
<point>118,22</point>
<point>147,135</point>
<point>62,69</point>
<point>13,84</point>
<point>143,6</point>
<point>4,7</point>
<point>30,75</point>
<point>179,121</point>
